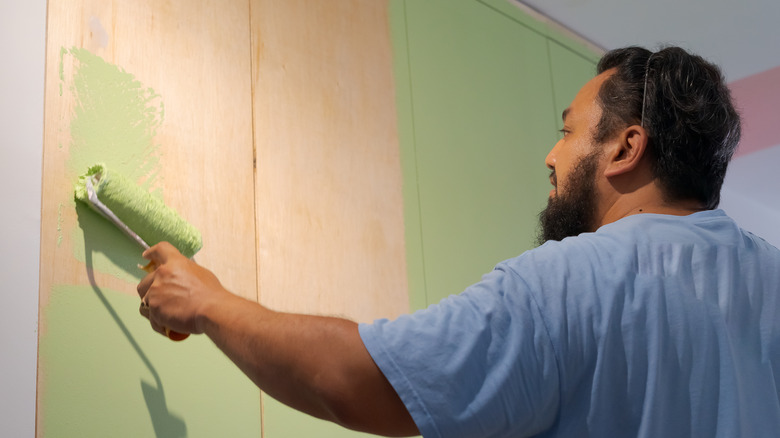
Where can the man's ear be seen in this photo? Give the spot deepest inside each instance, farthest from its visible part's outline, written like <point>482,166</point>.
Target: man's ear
<point>627,150</point>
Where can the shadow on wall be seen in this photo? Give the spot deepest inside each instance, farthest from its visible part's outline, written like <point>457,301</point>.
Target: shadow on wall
<point>164,422</point>
<point>102,237</point>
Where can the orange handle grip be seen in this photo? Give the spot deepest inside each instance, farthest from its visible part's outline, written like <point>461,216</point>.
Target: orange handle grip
<point>176,336</point>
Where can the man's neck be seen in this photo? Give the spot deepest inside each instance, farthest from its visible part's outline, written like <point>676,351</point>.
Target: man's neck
<point>648,199</point>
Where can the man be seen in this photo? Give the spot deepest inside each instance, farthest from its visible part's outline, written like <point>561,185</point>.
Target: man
<point>646,313</point>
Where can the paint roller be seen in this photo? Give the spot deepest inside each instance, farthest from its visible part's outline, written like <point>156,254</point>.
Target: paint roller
<point>141,216</point>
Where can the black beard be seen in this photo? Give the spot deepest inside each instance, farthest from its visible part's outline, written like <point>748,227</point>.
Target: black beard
<point>575,211</point>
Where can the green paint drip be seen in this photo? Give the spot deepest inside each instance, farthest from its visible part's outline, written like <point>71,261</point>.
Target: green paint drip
<point>146,215</point>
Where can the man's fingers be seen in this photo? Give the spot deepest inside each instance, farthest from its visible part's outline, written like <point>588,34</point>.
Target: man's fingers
<point>164,259</point>
<point>160,253</point>
<point>158,328</point>
<point>146,312</point>
<point>145,284</point>
<point>144,309</point>
<point>156,254</point>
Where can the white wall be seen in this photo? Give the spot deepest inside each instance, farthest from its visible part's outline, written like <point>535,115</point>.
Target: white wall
<point>750,193</point>
<point>23,33</point>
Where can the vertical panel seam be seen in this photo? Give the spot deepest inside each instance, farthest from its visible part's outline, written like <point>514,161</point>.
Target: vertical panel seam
<point>37,418</point>
<point>414,150</point>
<point>254,151</point>
<point>556,110</point>
<point>254,186</point>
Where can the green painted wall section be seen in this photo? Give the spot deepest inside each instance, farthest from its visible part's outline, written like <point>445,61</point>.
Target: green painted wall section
<point>107,374</point>
<point>481,88</point>
<point>509,9</point>
<point>481,134</point>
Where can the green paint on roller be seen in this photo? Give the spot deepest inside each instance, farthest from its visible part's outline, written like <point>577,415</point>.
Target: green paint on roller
<point>143,213</point>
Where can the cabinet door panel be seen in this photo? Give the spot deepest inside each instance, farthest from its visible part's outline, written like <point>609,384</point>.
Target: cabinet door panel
<point>483,123</point>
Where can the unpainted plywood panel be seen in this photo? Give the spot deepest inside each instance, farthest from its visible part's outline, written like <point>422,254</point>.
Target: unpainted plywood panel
<point>329,197</point>
<point>160,91</point>
<point>329,201</point>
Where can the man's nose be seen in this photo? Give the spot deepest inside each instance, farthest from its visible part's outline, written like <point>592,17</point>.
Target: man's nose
<point>549,161</point>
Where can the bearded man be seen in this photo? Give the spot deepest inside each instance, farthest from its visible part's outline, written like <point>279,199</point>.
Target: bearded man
<point>646,311</point>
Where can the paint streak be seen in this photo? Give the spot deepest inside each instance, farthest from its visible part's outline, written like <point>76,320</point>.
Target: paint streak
<point>115,120</point>
<point>63,51</point>
<point>756,97</point>
<point>59,225</point>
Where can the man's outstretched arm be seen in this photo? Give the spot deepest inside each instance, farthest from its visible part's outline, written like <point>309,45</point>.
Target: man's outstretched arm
<point>315,364</point>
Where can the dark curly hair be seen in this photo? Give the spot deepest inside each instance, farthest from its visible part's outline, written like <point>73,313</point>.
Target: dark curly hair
<point>685,106</point>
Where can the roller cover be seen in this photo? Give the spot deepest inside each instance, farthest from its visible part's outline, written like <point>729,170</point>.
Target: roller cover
<point>143,213</point>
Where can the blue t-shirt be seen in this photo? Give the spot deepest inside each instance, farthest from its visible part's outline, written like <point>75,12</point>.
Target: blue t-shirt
<point>653,326</point>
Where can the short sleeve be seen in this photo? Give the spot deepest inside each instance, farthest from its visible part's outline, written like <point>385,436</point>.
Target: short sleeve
<point>477,364</point>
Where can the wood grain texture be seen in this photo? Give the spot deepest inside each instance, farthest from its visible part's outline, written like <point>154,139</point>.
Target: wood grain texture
<point>196,57</point>
<point>328,197</point>
<point>197,60</point>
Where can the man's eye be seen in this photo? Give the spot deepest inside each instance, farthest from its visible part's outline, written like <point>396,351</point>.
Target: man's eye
<point>564,131</point>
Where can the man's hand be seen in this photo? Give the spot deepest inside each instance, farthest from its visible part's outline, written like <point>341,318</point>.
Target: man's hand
<point>177,292</point>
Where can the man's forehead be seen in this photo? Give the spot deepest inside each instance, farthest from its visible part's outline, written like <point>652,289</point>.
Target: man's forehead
<point>585,100</point>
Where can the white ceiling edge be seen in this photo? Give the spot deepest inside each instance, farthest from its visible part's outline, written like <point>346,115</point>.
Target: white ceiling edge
<point>536,15</point>
<point>741,37</point>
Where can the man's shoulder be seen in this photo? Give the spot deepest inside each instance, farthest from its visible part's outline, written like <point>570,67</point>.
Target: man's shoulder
<point>618,245</point>
<point>709,227</point>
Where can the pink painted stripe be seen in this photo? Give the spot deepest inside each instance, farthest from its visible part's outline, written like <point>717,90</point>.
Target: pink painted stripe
<point>758,99</point>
